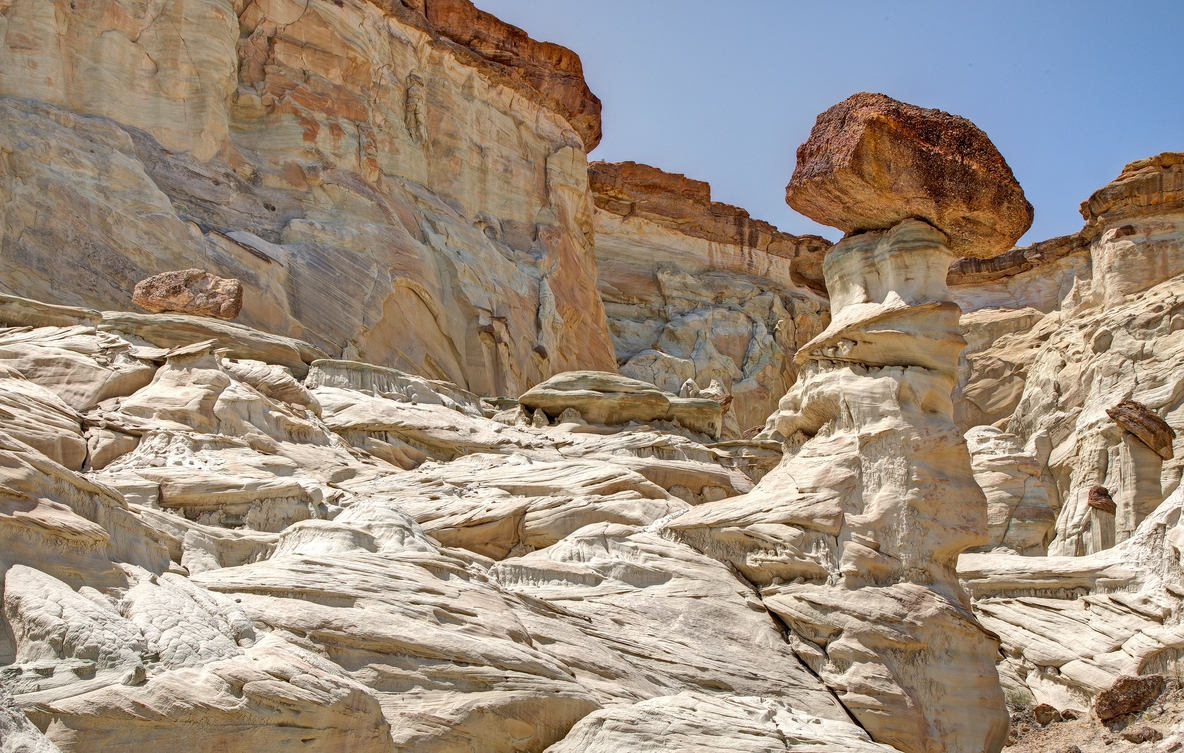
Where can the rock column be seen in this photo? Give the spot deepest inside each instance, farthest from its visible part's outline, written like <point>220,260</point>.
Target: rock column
<point>853,539</point>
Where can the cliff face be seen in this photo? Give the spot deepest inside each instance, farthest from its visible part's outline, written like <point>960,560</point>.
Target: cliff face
<point>695,289</point>
<point>383,191</point>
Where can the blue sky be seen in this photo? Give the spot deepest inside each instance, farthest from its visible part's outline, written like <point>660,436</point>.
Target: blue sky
<point>725,91</point>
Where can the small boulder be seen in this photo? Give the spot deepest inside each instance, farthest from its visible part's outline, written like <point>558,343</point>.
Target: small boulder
<point>1142,734</point>
<point>1128,695</point>
<point>1045,714</point>
<point>872,162</point>
<point>1099,498</point>
<point>190,291</point>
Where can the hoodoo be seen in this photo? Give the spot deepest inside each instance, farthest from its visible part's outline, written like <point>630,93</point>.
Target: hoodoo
<point>853,539</point>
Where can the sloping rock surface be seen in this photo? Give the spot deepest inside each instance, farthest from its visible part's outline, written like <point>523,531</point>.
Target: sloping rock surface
<point>359,559</point>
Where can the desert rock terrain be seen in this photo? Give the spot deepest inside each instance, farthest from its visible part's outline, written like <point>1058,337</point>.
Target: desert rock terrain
<point>346,405</point>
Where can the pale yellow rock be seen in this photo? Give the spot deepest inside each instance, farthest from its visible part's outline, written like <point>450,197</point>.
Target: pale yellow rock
<point>276,150</point>
<point>39,418</point>
<point>1020,516</point>
<point>690,721</point>
<point>274,582</point>
<point>1071,626</point>
<point>681,306</point>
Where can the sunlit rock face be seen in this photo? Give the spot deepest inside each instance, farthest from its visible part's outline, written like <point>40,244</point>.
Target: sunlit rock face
<point>695,289</point>
<point>380,190</point>
<point>1063,331</point>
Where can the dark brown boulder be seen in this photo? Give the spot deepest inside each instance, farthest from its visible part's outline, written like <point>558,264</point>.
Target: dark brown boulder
<point>871,162</point>
<point>1099,498</point>
<point>1145,424</point>
<point>1128,695</point>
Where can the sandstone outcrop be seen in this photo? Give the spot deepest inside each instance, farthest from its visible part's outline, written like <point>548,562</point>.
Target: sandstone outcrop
<point>359,559</point>
<point>696,289</point>
<point>1020,516</point>
<point>1072,628</point>
<point>550,72</point>
<point>1093,392</point>
<point>190,291</point>
<point>611,399</point>
<point>268,142</point>
<point>403,503</point>
<point>872,162</point>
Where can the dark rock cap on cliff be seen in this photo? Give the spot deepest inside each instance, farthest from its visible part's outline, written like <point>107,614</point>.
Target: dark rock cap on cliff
<point>871,162</point>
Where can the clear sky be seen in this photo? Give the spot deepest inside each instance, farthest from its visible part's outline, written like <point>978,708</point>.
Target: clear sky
<point>724,91</point>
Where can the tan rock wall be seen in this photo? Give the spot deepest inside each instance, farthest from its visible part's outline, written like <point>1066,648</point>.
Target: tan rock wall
<point>382,191</point>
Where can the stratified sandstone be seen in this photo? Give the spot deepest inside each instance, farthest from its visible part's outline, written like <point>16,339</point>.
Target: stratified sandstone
<point>610,399</point>
<point>1073,627</point>
<point>190,291</point>
<point>695,289</point>
<point>1093,391</point>
<point>1020,516</point>
<point>552,73</point>
<point>382,191</point>
<point>355,558</point>
<point>872,162</point>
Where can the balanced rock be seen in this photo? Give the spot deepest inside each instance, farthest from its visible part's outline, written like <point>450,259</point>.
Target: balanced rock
<point>190,291</point>
<point>871,162</point>
<point>1145,424</point>
<point>603,398</point>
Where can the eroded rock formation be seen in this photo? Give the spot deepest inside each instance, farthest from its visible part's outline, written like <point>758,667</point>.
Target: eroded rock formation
<point>696,289</point>
<point>330,525</point>
<point>853,539</point>
<point>355,559</point>
<point>329,156</point>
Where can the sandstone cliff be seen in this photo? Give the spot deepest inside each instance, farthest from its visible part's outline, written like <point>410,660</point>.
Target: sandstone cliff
<point>410,190</point>
<point>695,289</point>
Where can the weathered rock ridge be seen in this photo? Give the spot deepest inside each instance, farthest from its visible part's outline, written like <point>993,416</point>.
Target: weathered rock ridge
<point>482,463</point>
<point>357,560</point>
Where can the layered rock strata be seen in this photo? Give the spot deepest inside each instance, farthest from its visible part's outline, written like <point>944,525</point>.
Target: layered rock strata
<point>1072,627</point>
<point>853,539</point>
<point>353,559</point>
<point>696,289</point>
<point>404,189</point>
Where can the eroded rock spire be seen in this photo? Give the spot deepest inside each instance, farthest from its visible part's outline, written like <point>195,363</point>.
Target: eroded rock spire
<point>853,539</point>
